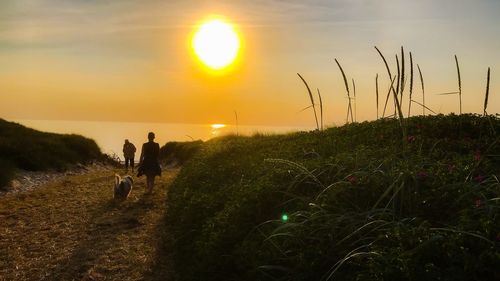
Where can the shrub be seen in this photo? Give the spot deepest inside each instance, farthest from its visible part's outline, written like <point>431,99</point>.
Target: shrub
<point>32,150</point>
<point>179,152</point>
<point>362,203</point>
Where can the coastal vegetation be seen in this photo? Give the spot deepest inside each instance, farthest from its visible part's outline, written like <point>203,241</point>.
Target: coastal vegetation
<point>175,153</point>
<point>365,201</point>
<point>32,150</point>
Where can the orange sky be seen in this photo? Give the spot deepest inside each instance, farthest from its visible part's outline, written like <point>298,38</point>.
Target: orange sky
<point>130,60</point>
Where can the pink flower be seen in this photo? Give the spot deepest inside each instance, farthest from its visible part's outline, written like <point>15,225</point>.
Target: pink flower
<point>352,179</point>
<point>411,138</point>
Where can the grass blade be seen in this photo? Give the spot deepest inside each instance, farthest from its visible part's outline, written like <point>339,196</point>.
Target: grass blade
<point>385,62</point>
<point>423,90</point>
<point>320,108</point>
<point>411,84</point>
<point>487,92</point>
<point>236,118</point>
<point>390,77</point>
<point>423,106</point>
<point>388,95</point>
<point>459,84</point>
<point>312,100</point>
<point>402,73</point>
<point>305,108</point>
<point>376,92</point>
<point>398,84</point>
<point>349,108</point>
<point>354,93</point>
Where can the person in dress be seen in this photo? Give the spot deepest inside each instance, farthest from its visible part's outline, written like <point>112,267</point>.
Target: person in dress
<point>149,164</point>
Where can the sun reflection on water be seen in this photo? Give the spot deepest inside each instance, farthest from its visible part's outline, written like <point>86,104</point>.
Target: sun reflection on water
<point>217,126</point>
<point>216,129</point>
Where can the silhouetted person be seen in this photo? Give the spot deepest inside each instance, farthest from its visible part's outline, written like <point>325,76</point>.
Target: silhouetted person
<point>129,154</point>
<point>149,163</point>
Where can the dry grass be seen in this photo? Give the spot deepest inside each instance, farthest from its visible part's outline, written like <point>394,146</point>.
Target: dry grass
<point>459,83</point>
<point>312,100</point>
<point>423,89</point>
<point>487,92</point>
<point>320,108</point>
<point>376,93</point>
<point>71,229</point>
<point>349,107</point>
<point>411,85</point>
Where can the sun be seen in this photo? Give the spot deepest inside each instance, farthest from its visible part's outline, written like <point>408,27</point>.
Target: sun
<point>216,44</point>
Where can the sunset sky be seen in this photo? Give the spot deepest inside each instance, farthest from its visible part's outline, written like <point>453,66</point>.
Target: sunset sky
<point>123,60</point>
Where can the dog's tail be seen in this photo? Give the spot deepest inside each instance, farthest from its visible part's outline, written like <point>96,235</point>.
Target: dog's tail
<point>117,179</point>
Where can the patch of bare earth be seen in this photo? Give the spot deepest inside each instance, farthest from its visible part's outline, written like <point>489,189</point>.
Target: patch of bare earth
<point>71,229</point>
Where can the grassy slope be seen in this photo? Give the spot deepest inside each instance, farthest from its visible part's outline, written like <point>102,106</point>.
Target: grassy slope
<point>71,229</point>
<point>176,153</point>
<point>28,149</point>
<point>362,202</point>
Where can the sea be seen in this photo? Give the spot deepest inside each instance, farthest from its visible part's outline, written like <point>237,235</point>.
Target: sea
<point>110,136</point>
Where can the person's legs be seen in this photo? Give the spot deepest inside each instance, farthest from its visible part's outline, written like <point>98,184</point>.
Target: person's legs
<point>126,163</point>
<point>132,163</point>
<point>150,181</point>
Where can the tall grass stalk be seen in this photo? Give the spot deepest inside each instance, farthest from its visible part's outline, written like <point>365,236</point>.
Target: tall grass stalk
<point>424,106</point>
<point>411,85</point>
<point>312,100</point>
<point>390,77</point>
<point>391,87</point>
<point>487,92</point>
<point>236,119</point>
<point>376,92</point>
<point>349,107</point>
<point>354,94</point>
<point>398,84</point>
<point>423,89</point>
<point>459,84</point>
<point>320,109</point>
<point>402,73</point>
<point>398,105</point>
<point>400,115</point>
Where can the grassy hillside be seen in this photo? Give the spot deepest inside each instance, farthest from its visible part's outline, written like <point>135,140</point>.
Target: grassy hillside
<point>32,150</point>
<point>177,153</point>
<point>358,202</point>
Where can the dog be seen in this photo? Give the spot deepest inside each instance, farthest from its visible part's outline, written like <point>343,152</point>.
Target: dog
<point>123,187</point>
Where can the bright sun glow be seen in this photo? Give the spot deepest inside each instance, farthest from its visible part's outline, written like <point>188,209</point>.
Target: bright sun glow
<point>217,126</point>
<point>216,44</point>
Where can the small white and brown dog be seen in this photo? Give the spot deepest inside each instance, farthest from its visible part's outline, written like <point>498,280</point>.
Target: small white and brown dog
<point>123,186</point>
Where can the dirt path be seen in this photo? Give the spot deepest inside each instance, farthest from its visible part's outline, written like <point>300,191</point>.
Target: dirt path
<point>71,229</point>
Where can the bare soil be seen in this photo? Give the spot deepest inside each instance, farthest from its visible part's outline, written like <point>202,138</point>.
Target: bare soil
<point>71,228</point>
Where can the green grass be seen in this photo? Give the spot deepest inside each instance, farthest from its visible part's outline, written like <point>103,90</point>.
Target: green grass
<point>361,203</point>
<point>32,150</point>
<point>176,153</point>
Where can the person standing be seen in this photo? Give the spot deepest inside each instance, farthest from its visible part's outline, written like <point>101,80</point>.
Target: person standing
<point>129,154</point>
<point>149,164</point>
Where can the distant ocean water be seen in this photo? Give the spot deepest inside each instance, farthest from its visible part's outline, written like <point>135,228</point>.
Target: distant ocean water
<point>111,135</point>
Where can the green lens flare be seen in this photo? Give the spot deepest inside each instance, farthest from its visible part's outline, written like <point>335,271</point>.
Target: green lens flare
<point>284,217</point>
